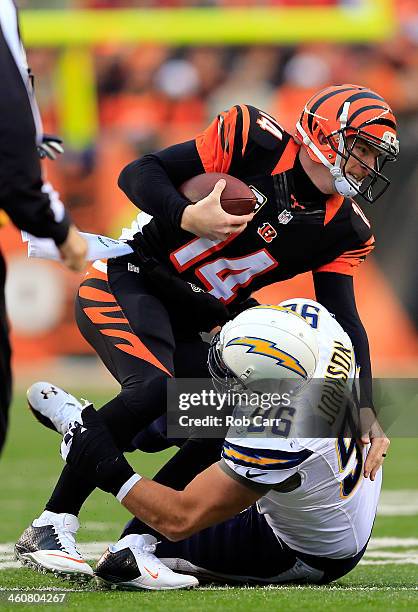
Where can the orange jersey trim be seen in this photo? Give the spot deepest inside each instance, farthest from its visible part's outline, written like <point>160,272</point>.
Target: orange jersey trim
<point>340,266</point>
<point>347,262</point>
<point>245,127</point>
<point>205,153</point>
<point>97,295</point>
<point>215,155</point>
<point>134,346</point>
<point>287,158</point>
<point>333,205</point>
<point>97,314</point>
<point>129,342</point>
<point>93,272</point>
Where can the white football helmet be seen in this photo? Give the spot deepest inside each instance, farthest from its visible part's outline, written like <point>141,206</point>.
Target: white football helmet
<point>263,346</point>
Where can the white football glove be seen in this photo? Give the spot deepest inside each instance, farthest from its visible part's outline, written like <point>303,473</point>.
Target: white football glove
<point>50,147</point>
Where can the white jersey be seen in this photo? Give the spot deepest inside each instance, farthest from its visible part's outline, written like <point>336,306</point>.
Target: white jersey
<point>325,397</point>
<point>316,498</point>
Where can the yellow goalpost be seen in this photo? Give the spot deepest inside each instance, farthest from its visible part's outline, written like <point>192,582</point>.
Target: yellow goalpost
<point>74,32</point>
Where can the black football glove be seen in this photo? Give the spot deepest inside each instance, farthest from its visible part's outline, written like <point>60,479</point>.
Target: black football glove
<point>186,301</point>
<point>50,147</point>
<point>89,449</point>
<point>237,307</point>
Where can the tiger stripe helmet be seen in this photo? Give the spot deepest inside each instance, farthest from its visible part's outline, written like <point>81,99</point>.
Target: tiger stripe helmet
<point>335,114</point>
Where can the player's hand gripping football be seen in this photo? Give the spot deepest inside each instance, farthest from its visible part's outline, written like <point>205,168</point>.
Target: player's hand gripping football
<point>207,219</point>
<point>373,434</point>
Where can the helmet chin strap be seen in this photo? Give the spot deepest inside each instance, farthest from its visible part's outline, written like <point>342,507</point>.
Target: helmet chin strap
<point>341,184</point>
<point>344,187</point>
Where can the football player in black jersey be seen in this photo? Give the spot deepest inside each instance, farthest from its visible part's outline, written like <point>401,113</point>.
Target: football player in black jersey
<point>27,199</point>
<point>143,312</point>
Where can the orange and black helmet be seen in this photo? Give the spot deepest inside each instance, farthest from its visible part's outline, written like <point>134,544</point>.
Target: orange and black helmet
<point>337,113</point>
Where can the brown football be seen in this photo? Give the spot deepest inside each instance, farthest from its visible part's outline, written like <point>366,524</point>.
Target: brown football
<point>236,199</point>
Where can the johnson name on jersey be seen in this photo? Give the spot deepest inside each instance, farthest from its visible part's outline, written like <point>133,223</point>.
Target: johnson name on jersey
<point>325,407</point>
<point>315,497</point>
<point>296,228</point>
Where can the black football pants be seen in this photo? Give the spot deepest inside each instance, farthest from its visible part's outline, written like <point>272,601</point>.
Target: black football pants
<point>133,334</point>
<point>5,353</point>
<point>244,549</point>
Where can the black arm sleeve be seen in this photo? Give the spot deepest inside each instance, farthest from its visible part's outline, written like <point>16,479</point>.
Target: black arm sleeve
<point>20,170</point>
<point>150,182</point>
<point>336,292</point>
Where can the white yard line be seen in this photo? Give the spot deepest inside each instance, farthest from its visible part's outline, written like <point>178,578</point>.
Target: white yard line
<point>377,543</point>
<point>98,526</point>
<point>398,503</point>
<point>405,561</point>
<point>269,587</point>
<point>378,553</point>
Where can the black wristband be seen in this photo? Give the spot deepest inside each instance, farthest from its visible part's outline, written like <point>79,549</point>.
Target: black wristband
<point>112,473</point>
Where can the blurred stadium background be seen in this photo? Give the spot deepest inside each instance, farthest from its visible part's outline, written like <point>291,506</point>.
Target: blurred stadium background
<point>118,78</point>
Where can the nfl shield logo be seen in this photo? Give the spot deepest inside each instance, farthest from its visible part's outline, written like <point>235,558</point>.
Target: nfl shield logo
<point>285,216</point>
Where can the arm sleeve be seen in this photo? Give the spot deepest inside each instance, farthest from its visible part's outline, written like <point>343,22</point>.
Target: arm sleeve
<point>336,292</point>
<point>151,182</point>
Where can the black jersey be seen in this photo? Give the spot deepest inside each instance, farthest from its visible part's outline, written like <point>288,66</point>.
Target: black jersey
<point>296,228</point>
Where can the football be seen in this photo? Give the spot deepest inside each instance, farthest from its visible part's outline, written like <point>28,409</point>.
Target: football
<point>236,199</point>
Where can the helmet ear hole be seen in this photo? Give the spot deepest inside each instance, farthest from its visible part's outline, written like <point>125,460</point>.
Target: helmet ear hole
<point>322,139</point>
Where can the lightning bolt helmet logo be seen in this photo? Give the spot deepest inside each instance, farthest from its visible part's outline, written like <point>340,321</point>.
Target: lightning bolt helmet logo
<point>259,346</point>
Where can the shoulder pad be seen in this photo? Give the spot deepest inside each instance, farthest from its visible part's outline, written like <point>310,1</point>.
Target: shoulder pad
<point>360,222</point>
<point>264,130</point>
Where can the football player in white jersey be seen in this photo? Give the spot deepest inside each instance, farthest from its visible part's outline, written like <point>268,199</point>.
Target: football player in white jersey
<point>274,509</point>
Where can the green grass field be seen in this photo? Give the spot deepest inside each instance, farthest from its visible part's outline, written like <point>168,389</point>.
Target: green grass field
<point>387,577</point>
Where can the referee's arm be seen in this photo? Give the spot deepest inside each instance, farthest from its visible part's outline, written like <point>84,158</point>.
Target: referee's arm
<point>31,204</point>
<point>21,183</point>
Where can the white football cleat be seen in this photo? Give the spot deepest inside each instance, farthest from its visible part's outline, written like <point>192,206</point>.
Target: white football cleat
<point>131,564</point>
<point>54,407</point>
<point>48,545</point>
